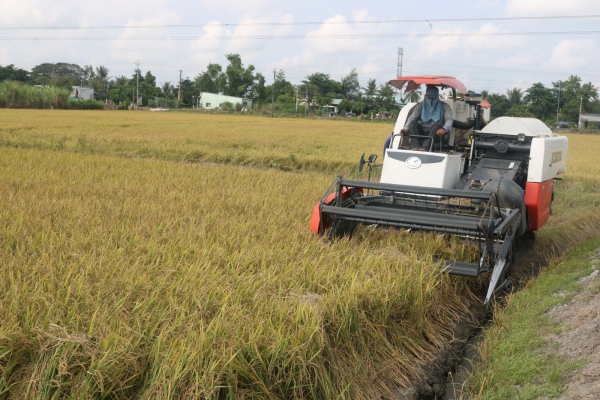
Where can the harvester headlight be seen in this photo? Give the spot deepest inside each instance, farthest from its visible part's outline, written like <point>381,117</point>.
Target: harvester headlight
<point>521,138</point>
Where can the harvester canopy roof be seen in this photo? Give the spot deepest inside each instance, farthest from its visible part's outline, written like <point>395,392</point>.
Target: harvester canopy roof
<point>438,80</point>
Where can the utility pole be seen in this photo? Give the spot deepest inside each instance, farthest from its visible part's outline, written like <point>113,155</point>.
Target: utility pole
<point>137,73</point>
<point>399,67</point>
<point>361,110</point>
<point>306,100</point>
<point>179,93</point>
<point>558,104</point>
<point>296,98</point>
<point>580,107</point>
<point>273,93</point>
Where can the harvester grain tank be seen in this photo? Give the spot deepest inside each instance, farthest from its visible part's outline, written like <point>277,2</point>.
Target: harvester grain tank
<point>489,183</point>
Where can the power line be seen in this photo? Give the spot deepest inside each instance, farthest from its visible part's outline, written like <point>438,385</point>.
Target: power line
<point>486,67</point>
<point>286,37</point>
<point>301,23</point>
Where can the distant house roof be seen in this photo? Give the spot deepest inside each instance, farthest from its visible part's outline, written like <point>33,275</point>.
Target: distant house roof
<point>225,95</point>
<point>590,117</point>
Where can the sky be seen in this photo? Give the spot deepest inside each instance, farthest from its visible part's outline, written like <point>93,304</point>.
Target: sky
<point>305,38</point>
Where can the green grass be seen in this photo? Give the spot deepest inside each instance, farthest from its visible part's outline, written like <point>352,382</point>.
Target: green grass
<point>20,95</point>
<point>518,361</point>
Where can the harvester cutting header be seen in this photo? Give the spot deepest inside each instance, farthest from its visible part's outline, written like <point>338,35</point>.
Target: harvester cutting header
<point>447,169</point>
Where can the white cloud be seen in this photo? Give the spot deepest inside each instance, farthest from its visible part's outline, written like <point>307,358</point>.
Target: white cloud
<point>75,12</point>
<point>465,57</point>
<point>245,7</point>
<point>326,40</point>
<point>324,51</point>
<point>246,29</point>
<point>214,37</point>
<point>27,12</point>
<point>369,69</point>
<point>240,39</point>
<point>550,7</point>
<point>438,47</point>
<point>131,50</point>
<point>484,4</point>
<point>570,54</point>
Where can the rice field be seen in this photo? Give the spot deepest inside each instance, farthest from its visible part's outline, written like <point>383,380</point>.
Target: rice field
<point>287,144</point>
<point>141,277</point>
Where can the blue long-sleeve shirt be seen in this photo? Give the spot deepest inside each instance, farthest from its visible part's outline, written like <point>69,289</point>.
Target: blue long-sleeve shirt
<point>416,116</point>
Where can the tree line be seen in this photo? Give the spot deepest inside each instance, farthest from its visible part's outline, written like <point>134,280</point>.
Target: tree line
<point>563,100</point>
<point>317,89</point>
<point>235,79</point>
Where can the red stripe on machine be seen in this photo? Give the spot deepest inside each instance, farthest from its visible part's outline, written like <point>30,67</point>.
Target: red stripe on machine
<point>538,199</point>
<point>315,220</point>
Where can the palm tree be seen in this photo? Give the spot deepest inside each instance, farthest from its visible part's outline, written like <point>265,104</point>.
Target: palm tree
<point>514,96</point>
<point>371,88</point>
<point>102,72</point>
<point>414,96</point>
<point>166,88</point>
<point>88,72</point>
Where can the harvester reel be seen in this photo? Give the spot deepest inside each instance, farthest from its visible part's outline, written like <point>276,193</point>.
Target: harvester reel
<point>340,228</point>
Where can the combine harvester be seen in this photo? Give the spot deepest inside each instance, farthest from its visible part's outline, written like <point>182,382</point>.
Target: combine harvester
<point>491,184</point>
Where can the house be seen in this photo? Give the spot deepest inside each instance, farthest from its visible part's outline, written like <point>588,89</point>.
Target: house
<point>80,92</point>
<point>585,118</point>
<point>210,101</point>
<point>332,107</point>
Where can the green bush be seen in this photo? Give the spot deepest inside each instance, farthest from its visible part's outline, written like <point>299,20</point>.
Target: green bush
<point>286,98</point>
<point>19,95</point>
<point>227,106</point>
<point>78,104</point>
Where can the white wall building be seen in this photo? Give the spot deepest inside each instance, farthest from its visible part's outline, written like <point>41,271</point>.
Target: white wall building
<point>80,92</point>
<point>211,100</point>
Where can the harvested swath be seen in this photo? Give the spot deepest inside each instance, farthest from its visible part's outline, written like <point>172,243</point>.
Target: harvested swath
<point>155,279</point>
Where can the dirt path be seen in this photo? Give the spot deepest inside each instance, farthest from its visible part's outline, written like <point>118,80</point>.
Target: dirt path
<point>580,337</point>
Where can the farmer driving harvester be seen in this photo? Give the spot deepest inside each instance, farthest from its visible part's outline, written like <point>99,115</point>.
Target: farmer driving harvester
<point>431,117</point>
<point>449,119</point>
<point>489,183</point>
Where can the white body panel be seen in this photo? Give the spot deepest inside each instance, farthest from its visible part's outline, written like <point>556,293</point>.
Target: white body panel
<point>548,158</point>
<point>401,122</point>
<point>514,126</point>
<point>417,168</point>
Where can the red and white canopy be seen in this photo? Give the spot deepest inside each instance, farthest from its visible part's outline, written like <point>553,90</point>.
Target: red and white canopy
<point>438,80</point>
